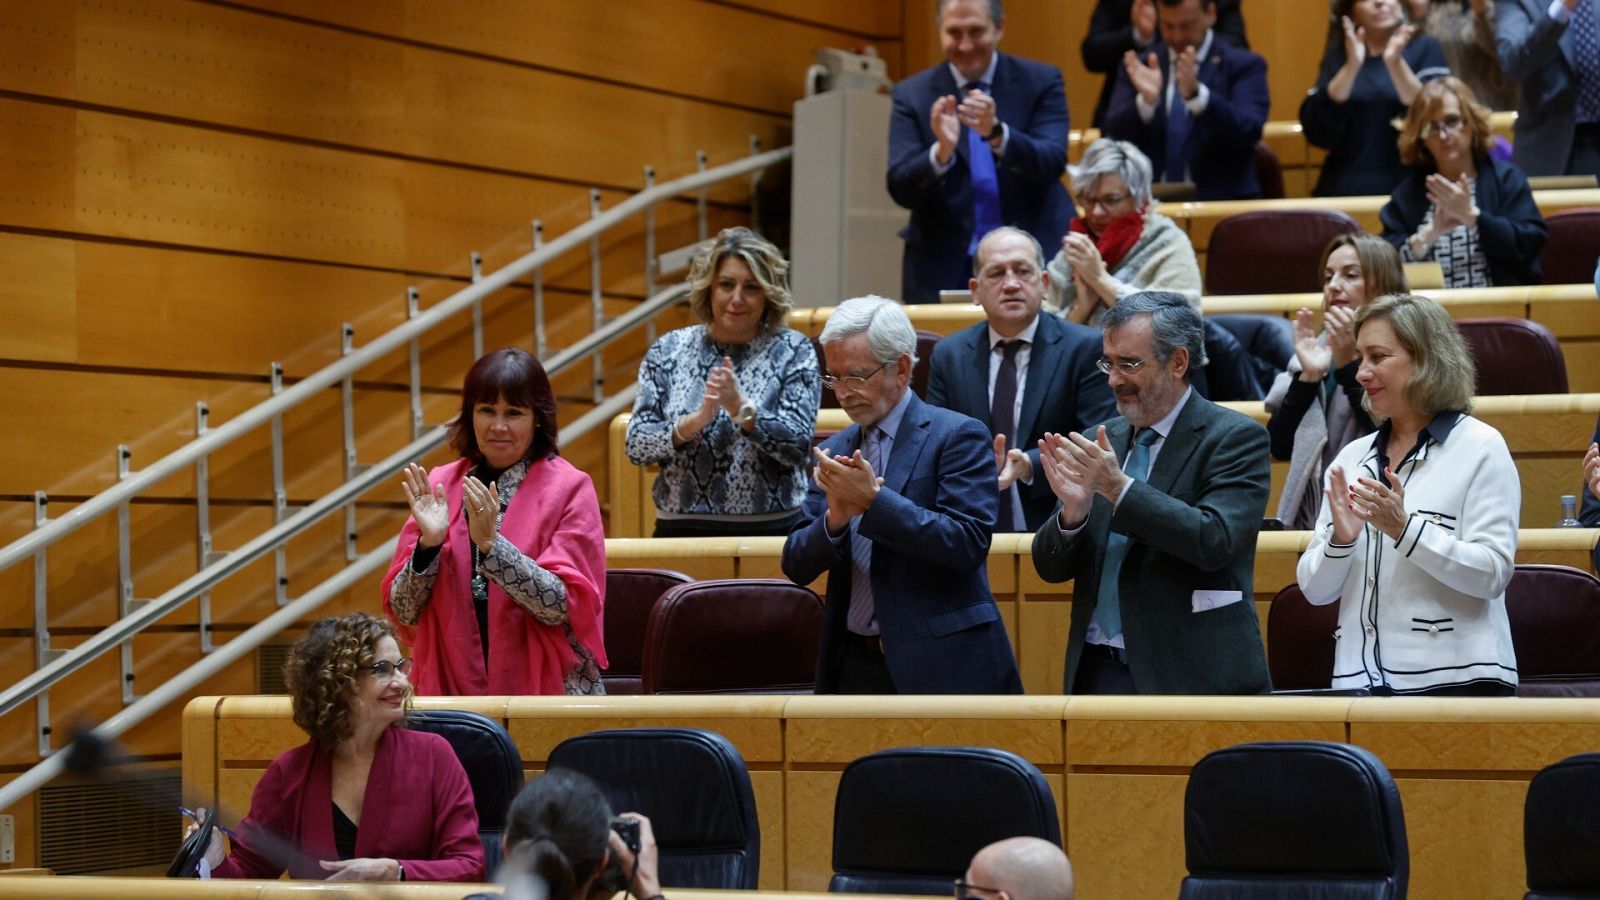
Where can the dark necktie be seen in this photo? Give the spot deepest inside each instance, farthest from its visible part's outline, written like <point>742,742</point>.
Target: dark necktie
<point>1178,122</point>
<point>1586,55</point>
<point>862,608</point>
<point>1108,605</point>
<point>985,183</point>
<point>1003,408</point>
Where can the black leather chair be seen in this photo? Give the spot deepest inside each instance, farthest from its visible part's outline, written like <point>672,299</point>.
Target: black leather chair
<point>493,766</point>
<point>1230,370</point>
<point>908,821</point>
<point>733,636</point>
<point>1293,819</point>
<point>693,786</point>
<point>1561,830</point>
<point>1268,341</point>
<point>630,595</point>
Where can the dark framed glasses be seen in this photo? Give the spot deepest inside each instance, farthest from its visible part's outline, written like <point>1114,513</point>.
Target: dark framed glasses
<point>384,670</point>
<point>964,890</point>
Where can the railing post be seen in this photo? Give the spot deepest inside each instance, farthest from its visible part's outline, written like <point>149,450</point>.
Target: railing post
<point>755,187</point>
<point>649,253</point>
<point>352,468</point>
<point>596,300</point>
<point>126,603</point>
<point>413,304</point>
<point>202,521</point>
<point>42,654</point>
<point>539,345</point>
<point>476,259</point>
<point>280,496</point>
<point>701,225</point>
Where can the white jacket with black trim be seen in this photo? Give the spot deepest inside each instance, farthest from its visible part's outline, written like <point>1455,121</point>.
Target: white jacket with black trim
<point>1429,610</point>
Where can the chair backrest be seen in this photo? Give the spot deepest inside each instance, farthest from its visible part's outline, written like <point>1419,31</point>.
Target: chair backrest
<point>693,786</point>
<point>1569,255</point>
<point>1293,819</point>
<point>630,595</point>
<point>919,372</point>
<point>1272,251</point>
<point>1300,641</point>
<point>733,636</point>
<point>1514,356</point>
<point>907,821</point>
<point>1269,172</point>
<point>1555,628</point>
<point>493,765</point>
<point>1561,830</point>
<point>1230,371</point>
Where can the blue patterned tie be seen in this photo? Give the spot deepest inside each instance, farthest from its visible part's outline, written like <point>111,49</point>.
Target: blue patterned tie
<point>1586,56</point>
<point>985,183</point>
<point>1178,122</point>
<point>1107,606</point>
<point>862,609</point>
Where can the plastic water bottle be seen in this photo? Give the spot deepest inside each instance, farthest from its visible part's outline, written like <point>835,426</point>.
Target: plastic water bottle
<point>1569,512</point>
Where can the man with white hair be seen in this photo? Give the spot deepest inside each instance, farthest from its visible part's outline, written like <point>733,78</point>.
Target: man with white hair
<point>1019,868</point>
<point>899,516</point>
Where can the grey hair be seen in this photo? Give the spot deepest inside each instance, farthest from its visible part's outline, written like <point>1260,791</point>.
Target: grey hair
<point>1038,250</point>
<point>1173,324</point>
<point>997,12</point>
<point>888,328</point>
<point>1112,157</point>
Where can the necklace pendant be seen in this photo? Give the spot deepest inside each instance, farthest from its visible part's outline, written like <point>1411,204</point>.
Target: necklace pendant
<point>480,588</point>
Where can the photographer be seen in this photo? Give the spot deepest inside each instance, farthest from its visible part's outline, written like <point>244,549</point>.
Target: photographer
<point>561,829</point>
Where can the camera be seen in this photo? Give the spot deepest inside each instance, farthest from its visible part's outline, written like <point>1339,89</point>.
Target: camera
<point>628,830</point>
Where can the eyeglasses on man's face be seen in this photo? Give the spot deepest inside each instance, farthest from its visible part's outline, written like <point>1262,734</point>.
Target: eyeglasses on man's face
<point>384,670</point>
<point>1450,124</point>
<point>850,382</point>
<point>1125,366</point>
<point>962,890</point>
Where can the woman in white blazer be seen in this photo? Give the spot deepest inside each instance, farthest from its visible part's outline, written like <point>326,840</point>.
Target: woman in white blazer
<point>1418,537</point>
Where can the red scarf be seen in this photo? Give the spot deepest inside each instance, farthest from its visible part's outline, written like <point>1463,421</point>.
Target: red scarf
<point>1118,238</point>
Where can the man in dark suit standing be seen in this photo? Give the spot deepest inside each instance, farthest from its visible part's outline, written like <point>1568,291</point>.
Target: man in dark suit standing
<point>976,142</point>
<point>1117,26</point>
<point>1157,520</point>
<point>1023,373</point>
<point>1193,103</point>
<point>1552,49</point>
<point>899,517</point>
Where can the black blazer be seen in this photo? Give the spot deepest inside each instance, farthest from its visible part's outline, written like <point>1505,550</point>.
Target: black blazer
<point>1063,391</point>
<point>1510,229</point>
<point>1191,527</point>
<point>1030,100</point>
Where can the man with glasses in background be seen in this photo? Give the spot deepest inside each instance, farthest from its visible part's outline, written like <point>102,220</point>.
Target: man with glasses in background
<point>1019,868</point>
<point>1157,520</point>
<point>899,517</point>
<point>1023,373</point>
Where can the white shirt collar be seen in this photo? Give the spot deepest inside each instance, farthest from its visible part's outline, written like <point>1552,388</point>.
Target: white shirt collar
<point>1163,426</point>
<point>1200,53</point>
<point>988,74</point>
<point>1025,335</point>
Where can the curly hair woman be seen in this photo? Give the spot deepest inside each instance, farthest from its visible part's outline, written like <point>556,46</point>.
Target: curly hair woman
<point>365,799</point>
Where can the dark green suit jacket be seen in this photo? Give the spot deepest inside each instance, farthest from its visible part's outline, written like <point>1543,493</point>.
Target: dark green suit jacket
<point>1192,527</point>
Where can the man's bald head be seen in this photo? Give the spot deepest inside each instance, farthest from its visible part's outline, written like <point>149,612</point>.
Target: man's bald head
<point>1022,868</point>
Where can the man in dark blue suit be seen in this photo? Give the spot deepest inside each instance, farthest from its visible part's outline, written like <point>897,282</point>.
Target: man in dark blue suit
<point>1194,104</point>
<point>899,517</point>
<point>976,142</point>
<point>1553,51</point>
<point>1039,369</point>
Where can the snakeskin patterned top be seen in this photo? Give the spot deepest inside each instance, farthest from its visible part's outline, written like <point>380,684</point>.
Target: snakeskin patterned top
<point>724,474</point>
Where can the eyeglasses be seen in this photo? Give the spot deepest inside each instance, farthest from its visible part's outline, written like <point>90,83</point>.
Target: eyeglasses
<point>1447,125</point>
<point>853,382</point>
<point>1125,366</point>
<point>383,670</point>
<point>963,890</point>
<point>1106,202</point>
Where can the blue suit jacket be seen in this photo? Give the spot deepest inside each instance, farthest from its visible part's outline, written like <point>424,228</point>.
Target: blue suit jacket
<point>1536,51</point>
<point>1030,100</point>
<point>929,528</point>
<point>1222,140</point>
<point>1063,391</point>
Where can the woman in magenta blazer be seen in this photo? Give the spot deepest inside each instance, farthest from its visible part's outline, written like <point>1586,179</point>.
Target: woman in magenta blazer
<point>365,799</point>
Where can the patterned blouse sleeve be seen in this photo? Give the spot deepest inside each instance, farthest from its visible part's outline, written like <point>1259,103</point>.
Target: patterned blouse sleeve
<point>649,438</point>
<point>412,589</point>
<point>784,430</point>
<point>531,586</point>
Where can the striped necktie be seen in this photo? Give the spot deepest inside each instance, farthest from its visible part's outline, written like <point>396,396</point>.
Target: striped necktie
<point>863,612</point>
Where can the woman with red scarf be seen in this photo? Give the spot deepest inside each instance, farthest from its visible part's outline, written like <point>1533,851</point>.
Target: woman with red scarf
<point>1120,245</point>
<point>498,582</point>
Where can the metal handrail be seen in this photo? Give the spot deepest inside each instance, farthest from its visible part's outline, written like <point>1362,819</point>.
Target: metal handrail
<point>136,483</point>
<point>114,634</point>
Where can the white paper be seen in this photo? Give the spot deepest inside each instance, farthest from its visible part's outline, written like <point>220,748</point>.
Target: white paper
<point>1205,600</point>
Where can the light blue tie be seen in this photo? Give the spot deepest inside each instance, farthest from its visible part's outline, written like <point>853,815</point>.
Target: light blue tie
<point>1107,605</point>
<point>862,608</point>
<point>1178,124</point>
<point>985,181</point>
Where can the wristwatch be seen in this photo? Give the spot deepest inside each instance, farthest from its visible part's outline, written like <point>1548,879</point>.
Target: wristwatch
<point>747,413</point>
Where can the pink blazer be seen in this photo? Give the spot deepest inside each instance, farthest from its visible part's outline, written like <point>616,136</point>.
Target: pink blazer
<point>418,809</point>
